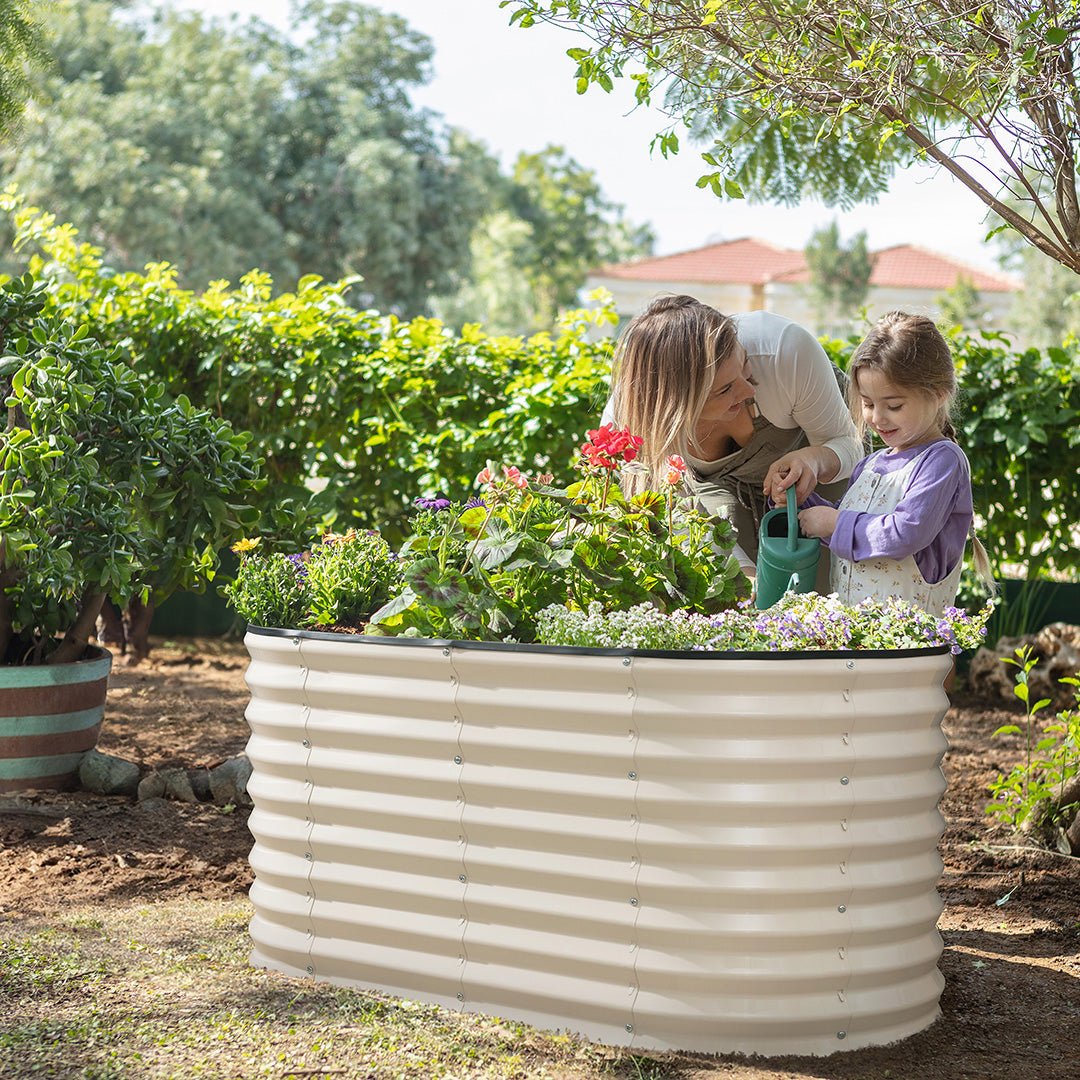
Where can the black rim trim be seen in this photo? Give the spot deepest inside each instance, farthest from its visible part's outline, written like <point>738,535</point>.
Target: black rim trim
<point>581,650</point>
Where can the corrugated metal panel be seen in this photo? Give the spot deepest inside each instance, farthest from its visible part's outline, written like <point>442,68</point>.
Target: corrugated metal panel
<point>717,854</point>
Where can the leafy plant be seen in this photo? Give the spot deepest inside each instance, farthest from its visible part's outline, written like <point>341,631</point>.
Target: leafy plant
<point>108,488</point>
<point>528,547</point>
<point>338,582</point>
<point>1043,792</point>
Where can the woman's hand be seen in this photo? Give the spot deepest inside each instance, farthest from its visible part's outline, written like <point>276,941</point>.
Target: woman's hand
<point>804,468</point>
<point>818,521</point>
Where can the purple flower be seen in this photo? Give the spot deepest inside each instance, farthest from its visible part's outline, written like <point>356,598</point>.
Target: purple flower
<point>474,502</point>
<point>300,564</point>
<point>432,502</point>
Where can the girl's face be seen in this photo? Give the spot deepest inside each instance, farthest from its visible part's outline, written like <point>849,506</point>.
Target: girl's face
<point>902,417</point>
<point>732,388</point>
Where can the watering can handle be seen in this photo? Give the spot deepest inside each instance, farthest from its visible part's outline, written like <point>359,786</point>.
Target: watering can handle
<point>792,519</point>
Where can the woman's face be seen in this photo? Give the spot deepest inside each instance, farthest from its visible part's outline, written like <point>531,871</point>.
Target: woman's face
<point>732,388</point>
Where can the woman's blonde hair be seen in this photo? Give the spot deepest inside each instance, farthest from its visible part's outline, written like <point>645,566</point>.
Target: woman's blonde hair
<point>665,363</point>
<point>912,353</point>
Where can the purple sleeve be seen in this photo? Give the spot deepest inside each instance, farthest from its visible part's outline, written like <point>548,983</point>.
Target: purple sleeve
<point>929,522</point>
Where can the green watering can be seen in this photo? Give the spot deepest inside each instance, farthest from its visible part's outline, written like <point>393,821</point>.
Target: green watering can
<point>786,561</point>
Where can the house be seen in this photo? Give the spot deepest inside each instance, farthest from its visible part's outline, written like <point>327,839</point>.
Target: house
<point>750,275</point>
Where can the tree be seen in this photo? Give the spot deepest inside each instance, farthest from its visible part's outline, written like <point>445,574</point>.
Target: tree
<point>20,45</point>
<point>827,98</point>
<point>961,305</point>
<point>839,277</point>
<point>220,147</point>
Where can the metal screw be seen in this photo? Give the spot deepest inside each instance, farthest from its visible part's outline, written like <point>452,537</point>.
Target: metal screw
<point>841,1034</point>
<point>631,775</point>
<point>446,652</point>
<point>844,780</point>
<point>630,1027</point>
<point>461,878</point>
<point>841,908</point>
<point>851,665</point>
<point>461,997</point>
<point>457,759</point>
<point>310,970</point>
<point>308,856</point>
<point>626,661</point>
<point>633,901</point>
<point>306,744</point>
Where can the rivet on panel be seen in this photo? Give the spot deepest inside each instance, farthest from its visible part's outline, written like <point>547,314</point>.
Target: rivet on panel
<point>457,759</point>
<point>626,661</point>
<point>634,860</point>
<point>461,878</point>
<point>841,1034</point>
<point>841,995</point>
<point>633,901</point>
<point>842,952</point>
<point>841,908</point>
<point>461,997</point>
<point>844,824</point>
<point>847,695</point>
<point>461,959</point>
<point>844,780</point>
<point>629,691</point>
<point>843,868</point>
<point>631,775</point>
<point>851,665</point>
<point>296,642</point>
<point>633,819</point>
<point>309,856</point>
<point>453,680</point>
<point>631,734</point>
<point>446,652</point>
<point>306,744</point>
<point>310,970</point>
<point>461,839</point>
<point>630,1027</point>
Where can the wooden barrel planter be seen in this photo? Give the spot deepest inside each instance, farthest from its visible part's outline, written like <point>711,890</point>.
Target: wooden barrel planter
<point>712,852</point>
<point>50,716</point>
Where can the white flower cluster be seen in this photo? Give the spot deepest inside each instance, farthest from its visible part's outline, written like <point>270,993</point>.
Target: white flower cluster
<point>798,622</point>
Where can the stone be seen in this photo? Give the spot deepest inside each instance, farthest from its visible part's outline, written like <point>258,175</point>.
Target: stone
<point>1057,647</point>
<point>152,786</point>
<point>228,782</point>
<point>178,786</point>
<point>104,774</point>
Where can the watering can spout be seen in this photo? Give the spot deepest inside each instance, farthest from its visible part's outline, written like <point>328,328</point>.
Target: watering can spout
<point>786,562</point>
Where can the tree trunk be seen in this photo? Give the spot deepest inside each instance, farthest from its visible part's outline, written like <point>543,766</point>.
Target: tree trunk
<point>75,641</point>
<point>110,628</point>
<point>137,619</point>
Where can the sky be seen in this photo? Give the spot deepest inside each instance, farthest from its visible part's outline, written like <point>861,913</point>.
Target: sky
<point>513,89</point>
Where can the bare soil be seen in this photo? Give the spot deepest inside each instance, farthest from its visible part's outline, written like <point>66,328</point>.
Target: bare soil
<point>1011,920</point>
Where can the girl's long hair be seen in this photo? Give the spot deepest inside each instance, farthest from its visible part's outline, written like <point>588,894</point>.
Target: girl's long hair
<point>665,363</point>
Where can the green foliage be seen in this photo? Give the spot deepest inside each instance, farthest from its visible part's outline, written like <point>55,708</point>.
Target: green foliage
<point>370,410</point>
<point>527,549</point>
<point>225,146</point>
<point>839,276</point>
<point>1037,791</point>
<point>108,488</point>
<point>796,622</point>
<point>961,306</point>
<point>20,45</point>
<point>825,99</point>
<point>1018,421</point>
<point>338,582</point>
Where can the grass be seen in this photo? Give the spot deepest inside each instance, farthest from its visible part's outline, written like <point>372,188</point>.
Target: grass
<point>166,991</point>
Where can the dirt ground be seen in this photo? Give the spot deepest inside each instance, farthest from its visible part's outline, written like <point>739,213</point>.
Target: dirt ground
<point>1011,920</point>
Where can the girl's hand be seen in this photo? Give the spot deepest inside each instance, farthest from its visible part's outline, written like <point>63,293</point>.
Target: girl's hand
<point>805,468</point>
<point>818,521</point>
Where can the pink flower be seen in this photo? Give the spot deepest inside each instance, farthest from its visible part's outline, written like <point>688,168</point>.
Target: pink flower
<point>485,476</point>
<point>514,476</point>
<point>676,469</point>
<point>605,446</point>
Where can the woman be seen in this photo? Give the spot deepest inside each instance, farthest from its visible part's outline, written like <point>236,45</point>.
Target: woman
<point>750,401</point>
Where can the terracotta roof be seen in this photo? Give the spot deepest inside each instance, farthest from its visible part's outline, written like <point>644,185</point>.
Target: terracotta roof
<point>753,262</point>
<point>743,261</point>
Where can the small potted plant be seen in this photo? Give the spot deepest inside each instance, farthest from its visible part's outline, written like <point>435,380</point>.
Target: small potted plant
<point>108,490</point>
<point>568,774</point>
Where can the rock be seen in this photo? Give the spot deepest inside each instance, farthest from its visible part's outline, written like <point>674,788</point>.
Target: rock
<point>104,774</point>
<point>1057,647</point>
<point>178,786</point>
<point>152,786</point>
<point>200,784</point>
<point>228,782</point>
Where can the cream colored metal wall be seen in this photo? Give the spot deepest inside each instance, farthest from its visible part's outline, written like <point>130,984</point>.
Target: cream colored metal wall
<point>711,854</point>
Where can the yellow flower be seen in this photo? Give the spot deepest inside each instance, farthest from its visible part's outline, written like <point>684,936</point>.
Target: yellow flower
<point>245,545</point>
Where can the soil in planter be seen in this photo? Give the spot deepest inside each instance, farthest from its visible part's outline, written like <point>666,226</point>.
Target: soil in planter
<point>1011,920</point>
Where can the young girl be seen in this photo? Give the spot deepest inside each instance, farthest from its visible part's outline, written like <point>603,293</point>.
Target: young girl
<point>901,527</point>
